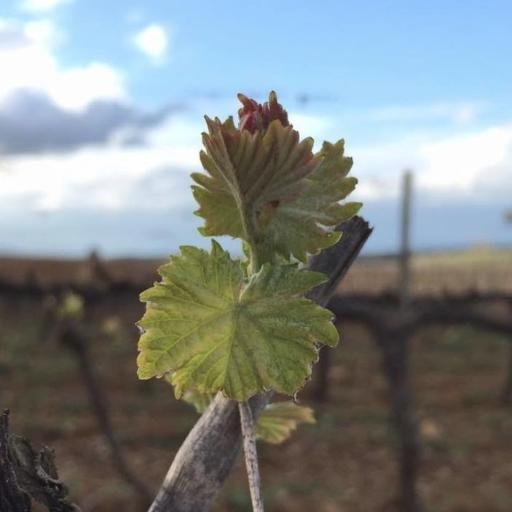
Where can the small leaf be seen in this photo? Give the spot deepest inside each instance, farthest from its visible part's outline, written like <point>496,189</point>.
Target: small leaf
<point>280,419</point>
<point>276,422</point>
<point>214,331</point>
<point>299,227</point>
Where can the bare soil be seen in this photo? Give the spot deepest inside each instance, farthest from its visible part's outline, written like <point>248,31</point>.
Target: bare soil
<point>346,462</point>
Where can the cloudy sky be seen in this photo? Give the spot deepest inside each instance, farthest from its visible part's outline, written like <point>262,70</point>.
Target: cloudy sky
<point>101,106</point>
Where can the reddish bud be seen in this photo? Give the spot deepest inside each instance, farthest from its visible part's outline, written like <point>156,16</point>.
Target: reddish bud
<point>255,116</point>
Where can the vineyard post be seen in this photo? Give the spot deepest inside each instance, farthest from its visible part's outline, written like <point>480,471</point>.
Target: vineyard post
<point>405,239</point>
<point>394,344</point>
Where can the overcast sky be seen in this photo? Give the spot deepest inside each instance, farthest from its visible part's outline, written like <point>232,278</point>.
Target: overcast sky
<point>101,106</point>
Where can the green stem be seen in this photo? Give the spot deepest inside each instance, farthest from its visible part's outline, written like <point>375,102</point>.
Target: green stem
<point>256,259</point>
<point>251,234</point>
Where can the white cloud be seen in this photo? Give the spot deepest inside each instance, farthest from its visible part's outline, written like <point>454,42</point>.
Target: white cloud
<point>317,126</point>
<point>92,178</point>
<point>42,5</point>
<point>75,88</point>
<point>43,33</point>
<point>28,61</point>
<point>106,177</point>
<point>458,163</point>
<point>153,41</point>
<point>467,164</point>
<point>473,165</point>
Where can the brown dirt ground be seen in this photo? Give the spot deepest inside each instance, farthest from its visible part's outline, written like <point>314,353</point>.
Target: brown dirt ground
<point>343,463</point>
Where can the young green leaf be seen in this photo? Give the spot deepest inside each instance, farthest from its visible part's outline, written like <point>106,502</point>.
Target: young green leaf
<point>274,425</point>
<point>299,227</point>
<point>251,172</point>
<point>278,420</point>
<point>261,179</point>
<point>214,331</point>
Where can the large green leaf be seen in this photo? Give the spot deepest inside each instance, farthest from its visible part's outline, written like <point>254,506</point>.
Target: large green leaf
<point>212,330</point>
<point>280,419</point>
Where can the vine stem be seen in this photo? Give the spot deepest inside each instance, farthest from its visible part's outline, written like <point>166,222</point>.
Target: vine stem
<point>251,455</point>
